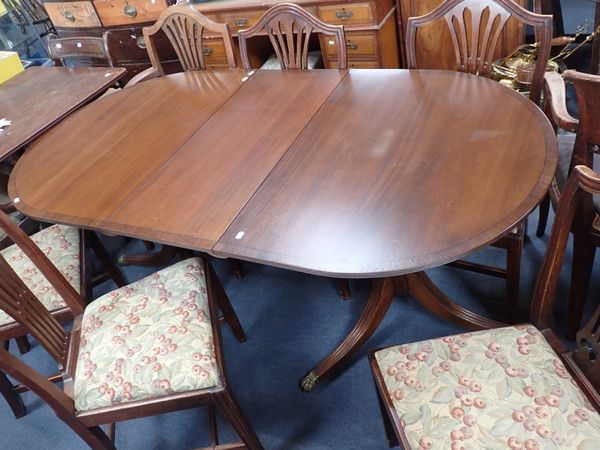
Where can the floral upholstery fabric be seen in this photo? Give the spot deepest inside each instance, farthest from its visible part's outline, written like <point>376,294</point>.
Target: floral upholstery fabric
<point>146,340</point>
<point>60,243</point>
<point>493,389</point>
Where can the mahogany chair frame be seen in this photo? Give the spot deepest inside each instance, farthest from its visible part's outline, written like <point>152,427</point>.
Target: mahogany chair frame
<point>62,345</point>
<point>582,363</point>
<point>186,29</point>
<point>90,48</point>
<point>474,48</point>
<point>17,331</point>
<point>586,228</point>
<point>289,28</point>
<point>479,62</point>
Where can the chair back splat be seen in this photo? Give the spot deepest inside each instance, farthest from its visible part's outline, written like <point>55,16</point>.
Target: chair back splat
<point>475,27</point>
<point>186,28</point>
<point>289,28</point>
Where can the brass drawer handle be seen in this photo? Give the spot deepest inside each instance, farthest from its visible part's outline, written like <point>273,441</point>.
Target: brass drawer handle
<point>141,42</point>
<point>351,45</point>
<point>344,15</point>
<point>207,51</point>
<point>241,22</point>
<point>130,11</point>
<point>69,16</point>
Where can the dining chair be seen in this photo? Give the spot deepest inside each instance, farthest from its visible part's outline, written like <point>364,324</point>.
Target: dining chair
<point>578,141</point>
<point>85,50</point>
<point>513,387</point>
<point>289,28</point>
<point>475,26</point>
<point>186,29</point>
<point>65,246</point>
<point>150,347</point>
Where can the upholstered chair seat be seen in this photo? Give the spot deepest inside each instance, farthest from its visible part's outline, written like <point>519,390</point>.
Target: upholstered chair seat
<point>147,340</point>
<point>315,61</point>
<point>60,243</point>
<point>495,389</point>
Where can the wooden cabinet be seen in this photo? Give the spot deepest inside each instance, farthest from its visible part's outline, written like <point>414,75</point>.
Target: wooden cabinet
<point>371,33</point>
<point>434,46</point>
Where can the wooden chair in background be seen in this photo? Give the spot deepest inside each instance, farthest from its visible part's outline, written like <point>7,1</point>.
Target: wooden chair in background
<point>512,387</point>
<point>88,51</point>
<point>65,246</point>
<point>578,143</point>
<point>117,336</point>
<point>475,27</point>
<point>289,28</point>
<point>186,28</point>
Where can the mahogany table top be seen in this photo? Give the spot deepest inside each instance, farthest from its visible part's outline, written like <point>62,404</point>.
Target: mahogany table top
<point>39,97</point>
<point>359,173</point>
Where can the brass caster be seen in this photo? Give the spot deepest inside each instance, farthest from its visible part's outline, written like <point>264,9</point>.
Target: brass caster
<point>308,383</point>
<point>122,261</point>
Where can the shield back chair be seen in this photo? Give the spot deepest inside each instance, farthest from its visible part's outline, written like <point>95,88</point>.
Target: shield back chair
<point>147,348</point>
<point>578,143</point>
<point>289,28</point>
<point>474,27</point>
<point>65,246</point>
<point>186,29</point>
<point>513,387</point>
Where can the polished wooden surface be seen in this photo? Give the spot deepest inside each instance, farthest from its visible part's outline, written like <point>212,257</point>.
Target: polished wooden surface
<point>389,161</point>
<point>333,172</point>
<point>329,172</point>
<point>39,97</point>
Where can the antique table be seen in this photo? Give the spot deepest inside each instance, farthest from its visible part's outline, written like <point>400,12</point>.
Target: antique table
<point>361,173</point>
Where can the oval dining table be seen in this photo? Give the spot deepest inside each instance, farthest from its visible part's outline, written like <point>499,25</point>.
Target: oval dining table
<point>344,173</point>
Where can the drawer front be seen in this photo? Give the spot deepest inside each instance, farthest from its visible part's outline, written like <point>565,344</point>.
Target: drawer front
<point>356,14</point>
<point>72,14</point>
<point>124,12</point>
<point>241,20</point>
<point>214,52</point>
<point>356,44</point>
<point>356,65</point>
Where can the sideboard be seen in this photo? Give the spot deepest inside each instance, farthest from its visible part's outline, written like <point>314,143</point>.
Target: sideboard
<point>371,32</point>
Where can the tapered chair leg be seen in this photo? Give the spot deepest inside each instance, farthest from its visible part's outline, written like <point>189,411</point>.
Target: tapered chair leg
<point>224,304</point>
<point>544,210</point>
<point>387,423</point>
<point>581,272</point>
<point>23,344</point>
<point>13,399</point>
<point>232,411</point>
<point>514,251</point>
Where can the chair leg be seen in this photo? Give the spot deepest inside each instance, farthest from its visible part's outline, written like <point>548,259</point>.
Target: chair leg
<point>13,399</point>
<point>387,423</point>
<point>225,305</point>
<point>231,409</point>
<point>104,257</point>
<point>514,251</point>
<point>581,272</point>
<point>343,288</point>
<point>238,269</point>
<point>544,210</point>
<point>23,344</point>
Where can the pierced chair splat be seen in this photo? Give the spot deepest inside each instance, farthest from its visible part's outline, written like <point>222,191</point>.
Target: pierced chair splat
<point>289,28</point>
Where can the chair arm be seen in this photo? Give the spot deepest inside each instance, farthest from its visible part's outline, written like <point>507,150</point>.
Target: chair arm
<point>555,103</point>
<point>144,75</point>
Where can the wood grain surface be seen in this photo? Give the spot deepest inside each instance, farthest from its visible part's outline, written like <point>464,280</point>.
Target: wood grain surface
<point>39,97</point>
<point>357,173</point>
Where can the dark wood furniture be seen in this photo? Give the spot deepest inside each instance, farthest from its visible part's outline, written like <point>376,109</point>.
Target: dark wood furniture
<point>357,183</point>
<point>478,402</point>
<point>474,29</point>
<point>92,49</point>
<point>186,30</point>
<point>578,144</point>
<point>85,413</point>
<point>289,28</point>
<point>371,34</point>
